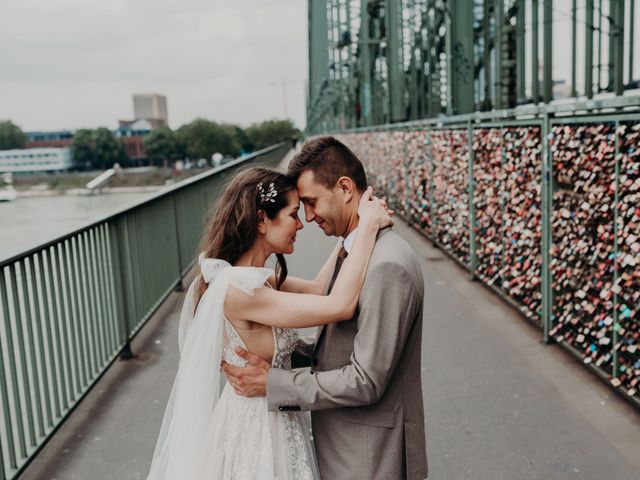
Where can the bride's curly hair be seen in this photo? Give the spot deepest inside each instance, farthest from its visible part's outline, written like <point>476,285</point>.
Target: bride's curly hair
<point>233,227</point>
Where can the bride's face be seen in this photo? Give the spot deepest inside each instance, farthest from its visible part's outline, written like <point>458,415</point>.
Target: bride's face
<point>281,231</point>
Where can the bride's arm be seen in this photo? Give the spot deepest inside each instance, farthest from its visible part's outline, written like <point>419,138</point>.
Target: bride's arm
<point>291,310</point>
<point>318,286</point>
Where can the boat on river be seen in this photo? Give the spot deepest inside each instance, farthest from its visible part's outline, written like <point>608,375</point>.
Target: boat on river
<point>8,194</point>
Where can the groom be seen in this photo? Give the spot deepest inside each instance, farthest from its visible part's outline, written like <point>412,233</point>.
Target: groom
<point>362,383</point>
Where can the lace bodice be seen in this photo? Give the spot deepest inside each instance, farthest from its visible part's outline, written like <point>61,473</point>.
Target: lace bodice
<point>284,341</point>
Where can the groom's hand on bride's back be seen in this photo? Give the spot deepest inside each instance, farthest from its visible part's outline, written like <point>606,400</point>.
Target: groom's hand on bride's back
<point>250,380</point>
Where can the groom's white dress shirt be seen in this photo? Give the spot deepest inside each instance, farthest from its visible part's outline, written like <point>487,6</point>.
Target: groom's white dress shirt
<point>348,241</point>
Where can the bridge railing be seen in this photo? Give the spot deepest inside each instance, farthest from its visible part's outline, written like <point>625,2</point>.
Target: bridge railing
<point>544,211</point>
<point>69,307</point>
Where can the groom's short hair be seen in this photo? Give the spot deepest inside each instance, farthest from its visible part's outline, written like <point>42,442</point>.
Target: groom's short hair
<point>328,159</point>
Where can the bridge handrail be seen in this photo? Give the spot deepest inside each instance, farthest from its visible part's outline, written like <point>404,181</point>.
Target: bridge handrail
<point>70,306</point>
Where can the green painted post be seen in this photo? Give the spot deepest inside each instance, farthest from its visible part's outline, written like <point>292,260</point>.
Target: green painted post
<point>18,340</point>
<point>616,45</point>
<point>473,257</point>
<point>407,180</point>
<point>4,394</point>
<point>547,78</point>
<point>619,46</point>
<point>76,290</point>
<point>64,271</point>
<point>461,57</point>
<point>432,196</point>
<point>98,299</point>
<point>432,92</point>
<point>574,30</point>
<point>535,77</point>
<point>487,103</point>
<point>503,201</point>
<point>88,317</point>
<point>62,325</point>
<point>498,17</point>
<point>413,80</point>
<point>632,20</point>
<point>109,317</point>
<point>27,323</point>
<point>128,288</point>
<point>109,288</point>
<point>600,33</point>
<point>45,409</point>
<point>121,261</point>
<point>521,48</point>
<point>588,55</point>
<point>395,71</point>
<point>92,297</point>
<point>2,470</point>
<point>176,225</point>
<point>448,48</point>
<point>141,299</point>
<point>118,258</point>
<point>134,271</point>
<point>48,317</point>
<point>616,251</point>
<point>547,208</point>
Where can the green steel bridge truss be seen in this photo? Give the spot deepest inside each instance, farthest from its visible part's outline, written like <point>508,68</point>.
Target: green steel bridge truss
<point>374,62</point>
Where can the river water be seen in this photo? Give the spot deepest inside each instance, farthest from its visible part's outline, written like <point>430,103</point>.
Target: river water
<point>28,222</point>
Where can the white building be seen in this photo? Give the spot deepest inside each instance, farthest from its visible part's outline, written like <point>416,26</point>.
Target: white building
<point>150,106</point>
<point>35,160</point>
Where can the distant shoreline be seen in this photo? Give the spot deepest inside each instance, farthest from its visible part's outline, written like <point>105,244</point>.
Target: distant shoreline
<point>87,192</point>
<point>130,180</point>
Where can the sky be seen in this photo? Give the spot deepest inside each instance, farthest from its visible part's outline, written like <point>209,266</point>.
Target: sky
<point>68,64</point>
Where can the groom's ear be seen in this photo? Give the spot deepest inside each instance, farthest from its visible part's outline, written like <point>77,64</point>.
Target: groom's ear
<point>262,224</point>
<point>347,187</point>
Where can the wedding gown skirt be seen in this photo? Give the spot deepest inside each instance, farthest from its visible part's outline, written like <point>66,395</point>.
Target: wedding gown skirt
<point>213,435</point>
<point>252,443</point>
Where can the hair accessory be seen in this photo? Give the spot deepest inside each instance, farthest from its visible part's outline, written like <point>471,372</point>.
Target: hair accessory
<point>270,195</point>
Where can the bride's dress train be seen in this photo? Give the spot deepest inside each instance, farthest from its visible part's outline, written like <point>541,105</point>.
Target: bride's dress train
<point>205,435</point>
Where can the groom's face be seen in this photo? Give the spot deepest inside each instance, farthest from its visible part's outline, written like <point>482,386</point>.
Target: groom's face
<point>322,205</point>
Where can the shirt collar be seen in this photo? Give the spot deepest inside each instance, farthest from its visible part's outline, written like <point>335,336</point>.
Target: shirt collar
<point>348,241</point>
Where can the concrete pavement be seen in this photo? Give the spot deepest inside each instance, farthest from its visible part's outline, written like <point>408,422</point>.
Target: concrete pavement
<point>500,405</point>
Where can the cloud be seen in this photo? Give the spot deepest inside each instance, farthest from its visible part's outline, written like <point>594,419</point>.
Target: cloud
<point>76,63</point>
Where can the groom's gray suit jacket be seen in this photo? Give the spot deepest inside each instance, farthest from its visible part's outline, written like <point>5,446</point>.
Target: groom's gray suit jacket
<point>364,386</point>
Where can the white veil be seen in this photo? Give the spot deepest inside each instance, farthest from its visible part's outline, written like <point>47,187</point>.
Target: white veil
<point>187,426</point>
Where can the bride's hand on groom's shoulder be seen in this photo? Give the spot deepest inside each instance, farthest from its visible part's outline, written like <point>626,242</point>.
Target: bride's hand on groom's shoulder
<point>374,211</point>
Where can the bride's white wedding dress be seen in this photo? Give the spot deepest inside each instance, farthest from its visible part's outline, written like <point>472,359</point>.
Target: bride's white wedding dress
<point>208,435</point>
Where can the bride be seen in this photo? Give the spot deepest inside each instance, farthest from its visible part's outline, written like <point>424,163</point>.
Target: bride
<point>235,301</point>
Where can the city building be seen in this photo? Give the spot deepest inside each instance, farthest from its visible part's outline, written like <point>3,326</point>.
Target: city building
<point>35,160</point>
<point>57,139</point>
<point>151,106</point>
<point>150,112</point>
<point>132,133</point>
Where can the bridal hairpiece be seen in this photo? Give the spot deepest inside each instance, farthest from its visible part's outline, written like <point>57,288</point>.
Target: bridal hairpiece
<point>269,195</point>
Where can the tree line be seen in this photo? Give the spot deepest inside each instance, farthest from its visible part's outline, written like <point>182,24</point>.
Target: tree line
<point>201,138</point>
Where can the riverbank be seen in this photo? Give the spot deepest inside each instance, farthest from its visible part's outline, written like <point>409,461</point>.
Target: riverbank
<point>86,191</point>
<point>133,180</point>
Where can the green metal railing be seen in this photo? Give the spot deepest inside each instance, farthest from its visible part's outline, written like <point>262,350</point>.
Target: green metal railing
<point>70,307</point>
<point>484,164</point>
